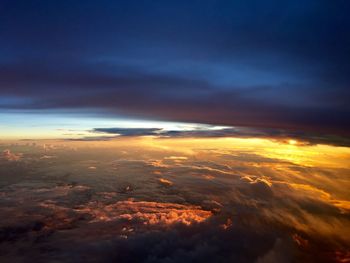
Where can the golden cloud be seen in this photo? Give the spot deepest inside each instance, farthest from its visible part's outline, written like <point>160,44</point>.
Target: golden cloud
<point>9,156</point>
<point>149,213</point>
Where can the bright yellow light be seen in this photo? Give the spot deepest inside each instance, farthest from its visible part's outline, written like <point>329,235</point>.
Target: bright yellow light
<point>292,142</point>
<point>292,151</point>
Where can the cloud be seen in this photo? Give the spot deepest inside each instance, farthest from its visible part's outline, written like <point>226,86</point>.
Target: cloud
<point>254,208</point>
<point>47,157</point>
<point>129,131</point>
<point>275,134</point>
<point>281,252</point>
<point>285,136</point>
<point>9,156</point>
<point>232,63</point>
<point>149,213</point>
<point>165,182</point>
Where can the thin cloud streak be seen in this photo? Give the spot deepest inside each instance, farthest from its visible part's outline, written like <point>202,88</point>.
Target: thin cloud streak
<point>302,138</point>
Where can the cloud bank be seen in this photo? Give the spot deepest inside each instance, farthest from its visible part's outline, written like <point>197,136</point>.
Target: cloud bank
<point>302,138</point>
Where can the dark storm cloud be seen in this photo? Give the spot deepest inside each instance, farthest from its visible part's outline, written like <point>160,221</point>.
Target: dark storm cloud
<point>303,138</point>
<point>266,64</point>
<point>202,243</point>
<point>275,134</point>
<point>129,131</point>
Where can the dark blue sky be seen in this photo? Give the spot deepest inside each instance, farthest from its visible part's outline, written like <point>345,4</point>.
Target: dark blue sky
<point>279,64</point>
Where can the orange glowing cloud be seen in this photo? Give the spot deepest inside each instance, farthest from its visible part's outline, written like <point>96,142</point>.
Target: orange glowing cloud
<point>9,156</point>
<point>165,182</point>
<point>149,213</point>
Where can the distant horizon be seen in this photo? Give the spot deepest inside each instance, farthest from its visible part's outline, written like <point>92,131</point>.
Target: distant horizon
<point>178,131</point>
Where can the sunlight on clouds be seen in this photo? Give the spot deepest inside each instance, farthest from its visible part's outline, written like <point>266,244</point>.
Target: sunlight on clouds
<point>67,125</point>
<point>308,155</point>
<point>226,189</point>
<point>148,212</point>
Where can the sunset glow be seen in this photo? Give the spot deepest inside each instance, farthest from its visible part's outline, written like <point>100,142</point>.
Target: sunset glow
<point>187,131</point>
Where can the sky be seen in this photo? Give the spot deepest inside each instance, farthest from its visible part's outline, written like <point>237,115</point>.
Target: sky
<point>265,64</point>
<point>165,131</point>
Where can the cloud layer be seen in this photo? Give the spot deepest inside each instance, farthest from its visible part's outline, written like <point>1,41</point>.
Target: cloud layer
<point>162,202</point>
